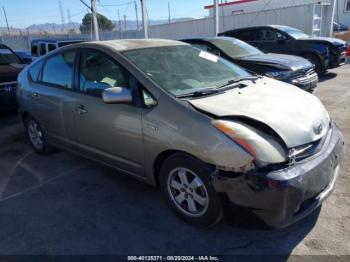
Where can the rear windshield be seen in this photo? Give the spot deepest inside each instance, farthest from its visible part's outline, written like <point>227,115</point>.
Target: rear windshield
<point>236,48</point>
<point>8,57</point>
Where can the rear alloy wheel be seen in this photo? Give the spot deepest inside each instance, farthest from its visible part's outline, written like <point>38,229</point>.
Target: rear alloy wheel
<point>185,182</point>
<point>36,137</point>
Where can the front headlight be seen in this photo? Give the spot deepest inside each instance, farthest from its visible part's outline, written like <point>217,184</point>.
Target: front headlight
<point>278,74</point>
<point>261,146</point>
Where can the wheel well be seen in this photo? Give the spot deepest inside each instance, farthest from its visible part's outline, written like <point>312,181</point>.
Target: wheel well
<point>159,160</point>
<point>311,54</point>
<point>24,116</point>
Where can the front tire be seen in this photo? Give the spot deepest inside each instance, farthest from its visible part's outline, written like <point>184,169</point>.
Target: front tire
<point>316,62</point>
<point>36,137</point>
<point>185,183</point>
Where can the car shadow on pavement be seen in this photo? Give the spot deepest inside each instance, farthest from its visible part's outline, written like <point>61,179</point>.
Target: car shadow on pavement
<point>63,204</point>
<point>327,76</point>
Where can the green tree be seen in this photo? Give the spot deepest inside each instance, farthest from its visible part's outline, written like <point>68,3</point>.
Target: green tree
<point>104,23</point>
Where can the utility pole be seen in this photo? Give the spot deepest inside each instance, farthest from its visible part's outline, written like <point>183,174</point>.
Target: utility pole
<point>169,17</point>
<point>119,22</point>
<point>216,17</point>
<point>137,16</point>
<point>62,16</point>
<point>7,23</point>
<point>144,18</point>
<point>334,7</point>
<point>94,19</point>
<point>125,27</point>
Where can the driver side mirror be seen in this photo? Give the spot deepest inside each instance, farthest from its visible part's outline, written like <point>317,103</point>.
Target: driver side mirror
<point>281,41</point>
<point>117,95</point>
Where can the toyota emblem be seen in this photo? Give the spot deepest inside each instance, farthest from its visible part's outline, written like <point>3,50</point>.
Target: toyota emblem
<point>318,129</point>
<point>8,89</point>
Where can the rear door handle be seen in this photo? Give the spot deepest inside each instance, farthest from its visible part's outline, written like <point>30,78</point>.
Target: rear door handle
<point>81,109</point>
<point>35,96</point>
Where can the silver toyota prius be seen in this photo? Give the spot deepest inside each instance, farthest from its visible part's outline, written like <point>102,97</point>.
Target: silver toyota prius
<point>201,128</point>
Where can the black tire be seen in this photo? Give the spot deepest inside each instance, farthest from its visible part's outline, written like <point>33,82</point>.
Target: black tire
<point>316,62</point>
<point>212,213</point>
<point>44,148</point>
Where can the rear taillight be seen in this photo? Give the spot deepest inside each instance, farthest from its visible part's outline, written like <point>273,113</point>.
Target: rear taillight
<point>348,51</point>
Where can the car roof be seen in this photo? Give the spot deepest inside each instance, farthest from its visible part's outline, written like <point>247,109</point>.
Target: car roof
<point>132,44</point>
<point>258,26</point>
<point>210,38</point>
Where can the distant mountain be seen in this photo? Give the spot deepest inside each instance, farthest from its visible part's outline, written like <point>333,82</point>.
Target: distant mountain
<point>52,28</point>
<point>132,24</point>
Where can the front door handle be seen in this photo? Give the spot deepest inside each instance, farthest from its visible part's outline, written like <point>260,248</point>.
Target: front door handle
<point>81,109</point>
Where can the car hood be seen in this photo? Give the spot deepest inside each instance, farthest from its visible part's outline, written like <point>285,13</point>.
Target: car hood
<point>330,40</point>
<point>295,115</point>
<point>9,73</point>
<point>286,62</point>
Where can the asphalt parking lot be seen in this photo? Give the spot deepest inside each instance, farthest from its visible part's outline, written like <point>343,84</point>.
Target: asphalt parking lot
<point>63,204</point>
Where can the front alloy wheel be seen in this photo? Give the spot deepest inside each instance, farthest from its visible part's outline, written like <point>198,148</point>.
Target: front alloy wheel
<point>188,192</point>
<point>185,183</point>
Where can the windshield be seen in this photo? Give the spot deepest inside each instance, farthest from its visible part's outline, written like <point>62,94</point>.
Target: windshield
<point>235,48</point>
<point>182,70</point>
<point>295,33</point>
<point>8,57</point>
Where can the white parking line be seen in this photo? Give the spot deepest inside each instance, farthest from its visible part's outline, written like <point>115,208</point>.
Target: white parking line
<point>42,184</point>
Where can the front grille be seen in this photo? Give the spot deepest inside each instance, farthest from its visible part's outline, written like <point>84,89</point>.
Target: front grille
<point>304,76</point>
<point>310,149</point>
<point>8,87</point>
<point>339,50</point>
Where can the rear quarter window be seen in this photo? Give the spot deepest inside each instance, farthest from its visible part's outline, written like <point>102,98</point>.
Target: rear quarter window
<point>34,71</point>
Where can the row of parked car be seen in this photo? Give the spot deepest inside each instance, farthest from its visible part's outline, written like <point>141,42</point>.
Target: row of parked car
<point>208,132</point>
<point>259,50</point>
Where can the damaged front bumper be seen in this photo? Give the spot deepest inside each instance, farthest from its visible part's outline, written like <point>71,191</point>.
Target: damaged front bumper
<point>284,196</point>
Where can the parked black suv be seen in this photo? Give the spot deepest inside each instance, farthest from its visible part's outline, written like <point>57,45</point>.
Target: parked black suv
<point>288,68</point>
<point>10,66</point>
<point>323,52</point>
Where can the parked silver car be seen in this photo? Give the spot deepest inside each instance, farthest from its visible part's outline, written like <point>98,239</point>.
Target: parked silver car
<point>198,126</point>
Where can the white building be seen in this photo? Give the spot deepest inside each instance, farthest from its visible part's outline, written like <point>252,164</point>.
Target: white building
<point>342,12</point>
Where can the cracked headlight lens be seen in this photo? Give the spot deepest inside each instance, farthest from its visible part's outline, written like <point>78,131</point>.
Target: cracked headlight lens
<point>279,74</point>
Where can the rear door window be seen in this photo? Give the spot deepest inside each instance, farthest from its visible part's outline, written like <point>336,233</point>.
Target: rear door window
<point>247,36</point>
<point>58,70</point>
<point>42,49</point>
<point>34,50</point>
<point>51,47</point>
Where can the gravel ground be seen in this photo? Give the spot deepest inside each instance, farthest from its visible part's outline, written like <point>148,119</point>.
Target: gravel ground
<point>62,204</point>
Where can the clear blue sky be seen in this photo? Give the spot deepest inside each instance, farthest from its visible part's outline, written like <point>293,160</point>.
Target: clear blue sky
<point>22,13</point>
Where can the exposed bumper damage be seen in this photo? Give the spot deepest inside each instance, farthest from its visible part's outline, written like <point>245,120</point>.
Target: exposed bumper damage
<point>284,196</point>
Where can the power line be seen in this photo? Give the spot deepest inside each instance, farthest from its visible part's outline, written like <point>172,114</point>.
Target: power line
<point>7,23</point>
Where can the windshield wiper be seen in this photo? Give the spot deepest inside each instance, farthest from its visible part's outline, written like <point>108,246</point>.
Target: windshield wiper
<point>199,93</point>
<point>235,81</point>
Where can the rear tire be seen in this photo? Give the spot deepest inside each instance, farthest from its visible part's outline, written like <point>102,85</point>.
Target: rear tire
<point>185,183</point>
<point>37,137</point>
<point>316,62</point>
